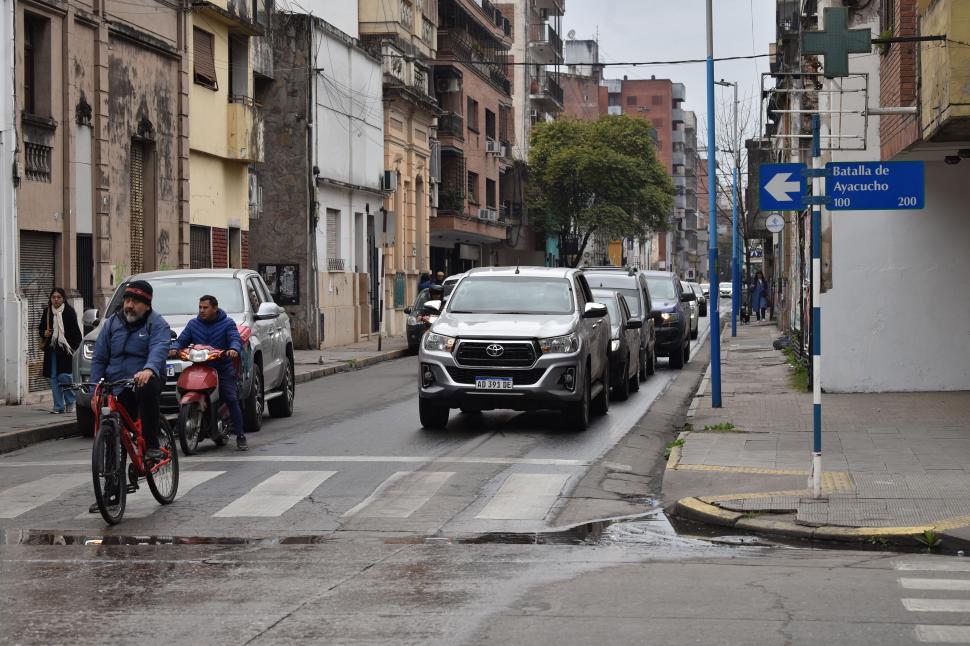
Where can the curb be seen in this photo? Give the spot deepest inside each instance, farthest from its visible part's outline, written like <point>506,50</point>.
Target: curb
<point>695,509</point>
<point>61,430</point>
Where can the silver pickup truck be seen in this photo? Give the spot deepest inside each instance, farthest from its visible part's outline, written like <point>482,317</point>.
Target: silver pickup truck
<point>518,338</point>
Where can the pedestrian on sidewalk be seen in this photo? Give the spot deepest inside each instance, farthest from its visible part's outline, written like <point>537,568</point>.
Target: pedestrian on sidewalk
<point>759,295</point>
<point>424,282</point>
<point>60,336</point>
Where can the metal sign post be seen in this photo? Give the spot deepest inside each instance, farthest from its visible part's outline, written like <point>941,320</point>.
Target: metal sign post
<point>713,279</point>
<point>818,193</point>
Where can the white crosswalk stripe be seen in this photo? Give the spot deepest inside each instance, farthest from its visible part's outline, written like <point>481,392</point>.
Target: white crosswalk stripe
<point>142,504</point>
<point>22,498</point>
<point>275,495</point>
<point>402,494</point>
<point>930,633</point>
<point>525,496</point>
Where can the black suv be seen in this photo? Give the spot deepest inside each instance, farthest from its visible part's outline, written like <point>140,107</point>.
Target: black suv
<point>632,283</point>
<point>671,311</point>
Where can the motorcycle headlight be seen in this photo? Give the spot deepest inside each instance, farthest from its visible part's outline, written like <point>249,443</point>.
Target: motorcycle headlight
<point>87,350</point>
<point>560,344</point>
<point>198,356</point>
<point>615,345</point>
<point>438,342</point>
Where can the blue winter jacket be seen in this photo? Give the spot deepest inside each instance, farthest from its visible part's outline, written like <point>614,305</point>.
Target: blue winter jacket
<point>122,349</point>
<point>220,333</point>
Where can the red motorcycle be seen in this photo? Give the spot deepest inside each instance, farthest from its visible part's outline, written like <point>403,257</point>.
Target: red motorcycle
<point>202,415</point>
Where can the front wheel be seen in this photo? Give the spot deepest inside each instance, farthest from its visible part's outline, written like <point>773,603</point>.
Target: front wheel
<point>621,391</point>
<point>163,478</point>
<point>601,405</point>
<point>108,472</point>
<point>576,416</point>
<point>190,427</point>
<point>282,406</point>
<point>432,416</point>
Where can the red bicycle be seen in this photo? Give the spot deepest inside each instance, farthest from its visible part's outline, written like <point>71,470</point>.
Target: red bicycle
<point>118,438</point>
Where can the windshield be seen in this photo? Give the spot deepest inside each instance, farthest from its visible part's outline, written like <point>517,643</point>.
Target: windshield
<point>685,287</point>
<point>512,295</point>
<point>609,299</point>
<point>175,296</point>
<point>661,288</point>
<point>623,284</point>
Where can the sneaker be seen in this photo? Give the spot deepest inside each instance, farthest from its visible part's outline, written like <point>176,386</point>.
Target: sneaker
<point>155,455</point>
<point>69,408</point>
<point>54,411</point>
<point>241,444</point>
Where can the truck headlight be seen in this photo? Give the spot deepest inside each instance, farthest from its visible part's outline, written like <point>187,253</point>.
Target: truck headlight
<point>87,350</point>
<point>438,342</point>
<point>669,317</point>
<point>560,344</point>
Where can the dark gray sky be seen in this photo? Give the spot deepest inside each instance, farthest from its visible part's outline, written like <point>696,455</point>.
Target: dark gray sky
<point>652,30</point>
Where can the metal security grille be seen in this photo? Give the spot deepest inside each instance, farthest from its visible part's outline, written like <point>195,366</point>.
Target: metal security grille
<point>137,206</point>
<point>200,248</point>
<point>36,282</point>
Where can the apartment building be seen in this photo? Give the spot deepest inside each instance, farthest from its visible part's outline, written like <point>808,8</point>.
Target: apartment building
<point>474,91</point>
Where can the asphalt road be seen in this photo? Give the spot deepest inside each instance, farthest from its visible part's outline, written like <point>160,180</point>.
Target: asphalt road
<point>347,523</point>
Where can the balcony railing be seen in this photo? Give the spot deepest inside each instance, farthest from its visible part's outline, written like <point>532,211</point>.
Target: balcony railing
<point>546,88</point>
<point>545,43</point>
<point>335,264</point>
<point>451,124</point>
<point>677,115</point>
<point>488,63</point>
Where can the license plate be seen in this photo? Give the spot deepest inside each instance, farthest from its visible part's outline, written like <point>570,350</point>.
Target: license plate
<point>493,383</point>
<point>170,370</point>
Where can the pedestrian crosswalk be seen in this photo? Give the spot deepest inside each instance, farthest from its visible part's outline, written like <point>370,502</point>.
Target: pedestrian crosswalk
<point>939,590</point>
<point>225,494</point>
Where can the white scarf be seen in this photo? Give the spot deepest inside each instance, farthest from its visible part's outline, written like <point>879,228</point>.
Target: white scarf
<point>57,334</point>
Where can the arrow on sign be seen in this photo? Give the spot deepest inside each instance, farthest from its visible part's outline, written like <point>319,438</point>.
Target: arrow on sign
<point>781,188</point>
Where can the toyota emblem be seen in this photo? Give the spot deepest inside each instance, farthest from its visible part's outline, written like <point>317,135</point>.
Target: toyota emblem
<point>495,350</point>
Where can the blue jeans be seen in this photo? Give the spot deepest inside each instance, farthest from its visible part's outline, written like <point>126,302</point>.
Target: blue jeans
<point>229,393</point>
<point>62,397</point>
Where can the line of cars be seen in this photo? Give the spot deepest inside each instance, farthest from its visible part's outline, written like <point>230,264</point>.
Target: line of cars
<point>528,338</point>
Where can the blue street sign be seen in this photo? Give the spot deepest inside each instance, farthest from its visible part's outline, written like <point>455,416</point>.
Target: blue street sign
<point>782,187</point>
<point>870,186</point>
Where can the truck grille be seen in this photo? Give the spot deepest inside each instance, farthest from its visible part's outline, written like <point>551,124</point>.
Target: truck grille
<point>519,377</point>
<point>515,354</point>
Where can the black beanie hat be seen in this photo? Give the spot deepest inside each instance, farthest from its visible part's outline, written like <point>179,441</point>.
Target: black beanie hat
<point>140,290</point>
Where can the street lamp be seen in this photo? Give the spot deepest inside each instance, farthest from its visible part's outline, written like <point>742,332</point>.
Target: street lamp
<point>735,267</point>
<point>712,217</point>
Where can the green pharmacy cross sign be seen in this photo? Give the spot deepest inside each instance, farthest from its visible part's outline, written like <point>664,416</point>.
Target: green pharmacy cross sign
<point>837,41</point>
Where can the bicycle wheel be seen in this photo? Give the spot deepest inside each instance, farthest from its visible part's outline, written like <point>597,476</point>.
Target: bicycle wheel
<point>108,470</point>
<point>163,478</point>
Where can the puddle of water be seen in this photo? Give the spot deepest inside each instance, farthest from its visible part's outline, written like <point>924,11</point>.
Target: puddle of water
<point>31,537</point>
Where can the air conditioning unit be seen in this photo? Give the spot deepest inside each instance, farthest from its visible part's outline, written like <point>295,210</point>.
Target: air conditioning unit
<point>389,182</point>
<point>493,147</point>
<point>488,214</point>
<point>449,84</point>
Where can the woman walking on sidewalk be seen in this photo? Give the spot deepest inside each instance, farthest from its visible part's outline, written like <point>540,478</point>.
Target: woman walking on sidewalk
<point>759,295</point>
<point>60,336</point>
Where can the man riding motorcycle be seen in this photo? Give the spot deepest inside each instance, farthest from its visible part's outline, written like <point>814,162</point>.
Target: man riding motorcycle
<point>214,328</point>
<point>133,344</point>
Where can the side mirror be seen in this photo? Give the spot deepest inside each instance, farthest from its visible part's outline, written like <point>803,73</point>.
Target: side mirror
<point>634,324</point>
<point>687,297</point>
<point>432,306</point>
<point>595,311</point>
<point>407,310</point>
<point>89,320</point>
<point>267,311</point>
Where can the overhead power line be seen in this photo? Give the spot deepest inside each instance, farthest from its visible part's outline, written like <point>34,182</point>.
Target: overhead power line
<point>686,61</point>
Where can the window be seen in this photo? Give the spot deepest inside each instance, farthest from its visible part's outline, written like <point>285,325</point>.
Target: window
<point>613,100</point>
<point>473,187</point>
<point>887,18</point>
<point>471,115</point>
<point>489,124</point>
<point>37,65</point>
<point>200,248</point>
<point>490,193</point>
<point>631,100</point>
<point>657,100</point>
<point>407,14</point>
<point>334,261</point>
<point>203,58</point>
<point>238,65</point>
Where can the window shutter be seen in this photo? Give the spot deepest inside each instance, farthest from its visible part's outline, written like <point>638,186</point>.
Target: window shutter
<point>203,57</point>
<point>333,233</point>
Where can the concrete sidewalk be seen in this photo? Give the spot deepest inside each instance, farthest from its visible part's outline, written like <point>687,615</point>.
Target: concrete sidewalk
<point>22,426</point>
<point>896,467</point>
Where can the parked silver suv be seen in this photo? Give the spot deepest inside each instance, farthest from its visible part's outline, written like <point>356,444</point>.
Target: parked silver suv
<point>267,379</point>
<point>519,338</point>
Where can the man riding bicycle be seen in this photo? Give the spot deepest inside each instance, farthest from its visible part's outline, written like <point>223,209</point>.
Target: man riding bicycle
<point>214,328</point>
<point>133,344</point>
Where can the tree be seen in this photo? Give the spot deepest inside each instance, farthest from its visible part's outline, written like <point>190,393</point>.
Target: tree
<point>600,177</point>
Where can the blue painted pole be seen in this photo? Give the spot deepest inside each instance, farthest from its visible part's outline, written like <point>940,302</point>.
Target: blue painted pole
<point>713,278</point>
<point>735,274</point>
<point>818,190</point>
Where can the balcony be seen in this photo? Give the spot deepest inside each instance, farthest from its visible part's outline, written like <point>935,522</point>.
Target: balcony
<point>945,95</point>
<point>451,124</point>
<point>490,64</point>
<point>551,7</point>
<point>678,92</point>
<point>678,159</point>
<point>545,91</point>
<point>245,130</point>
<point>677,115</point>
<point>680,202</point>
<point>545,44</point>
<point>677,136</point>
<point>679,181</point>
